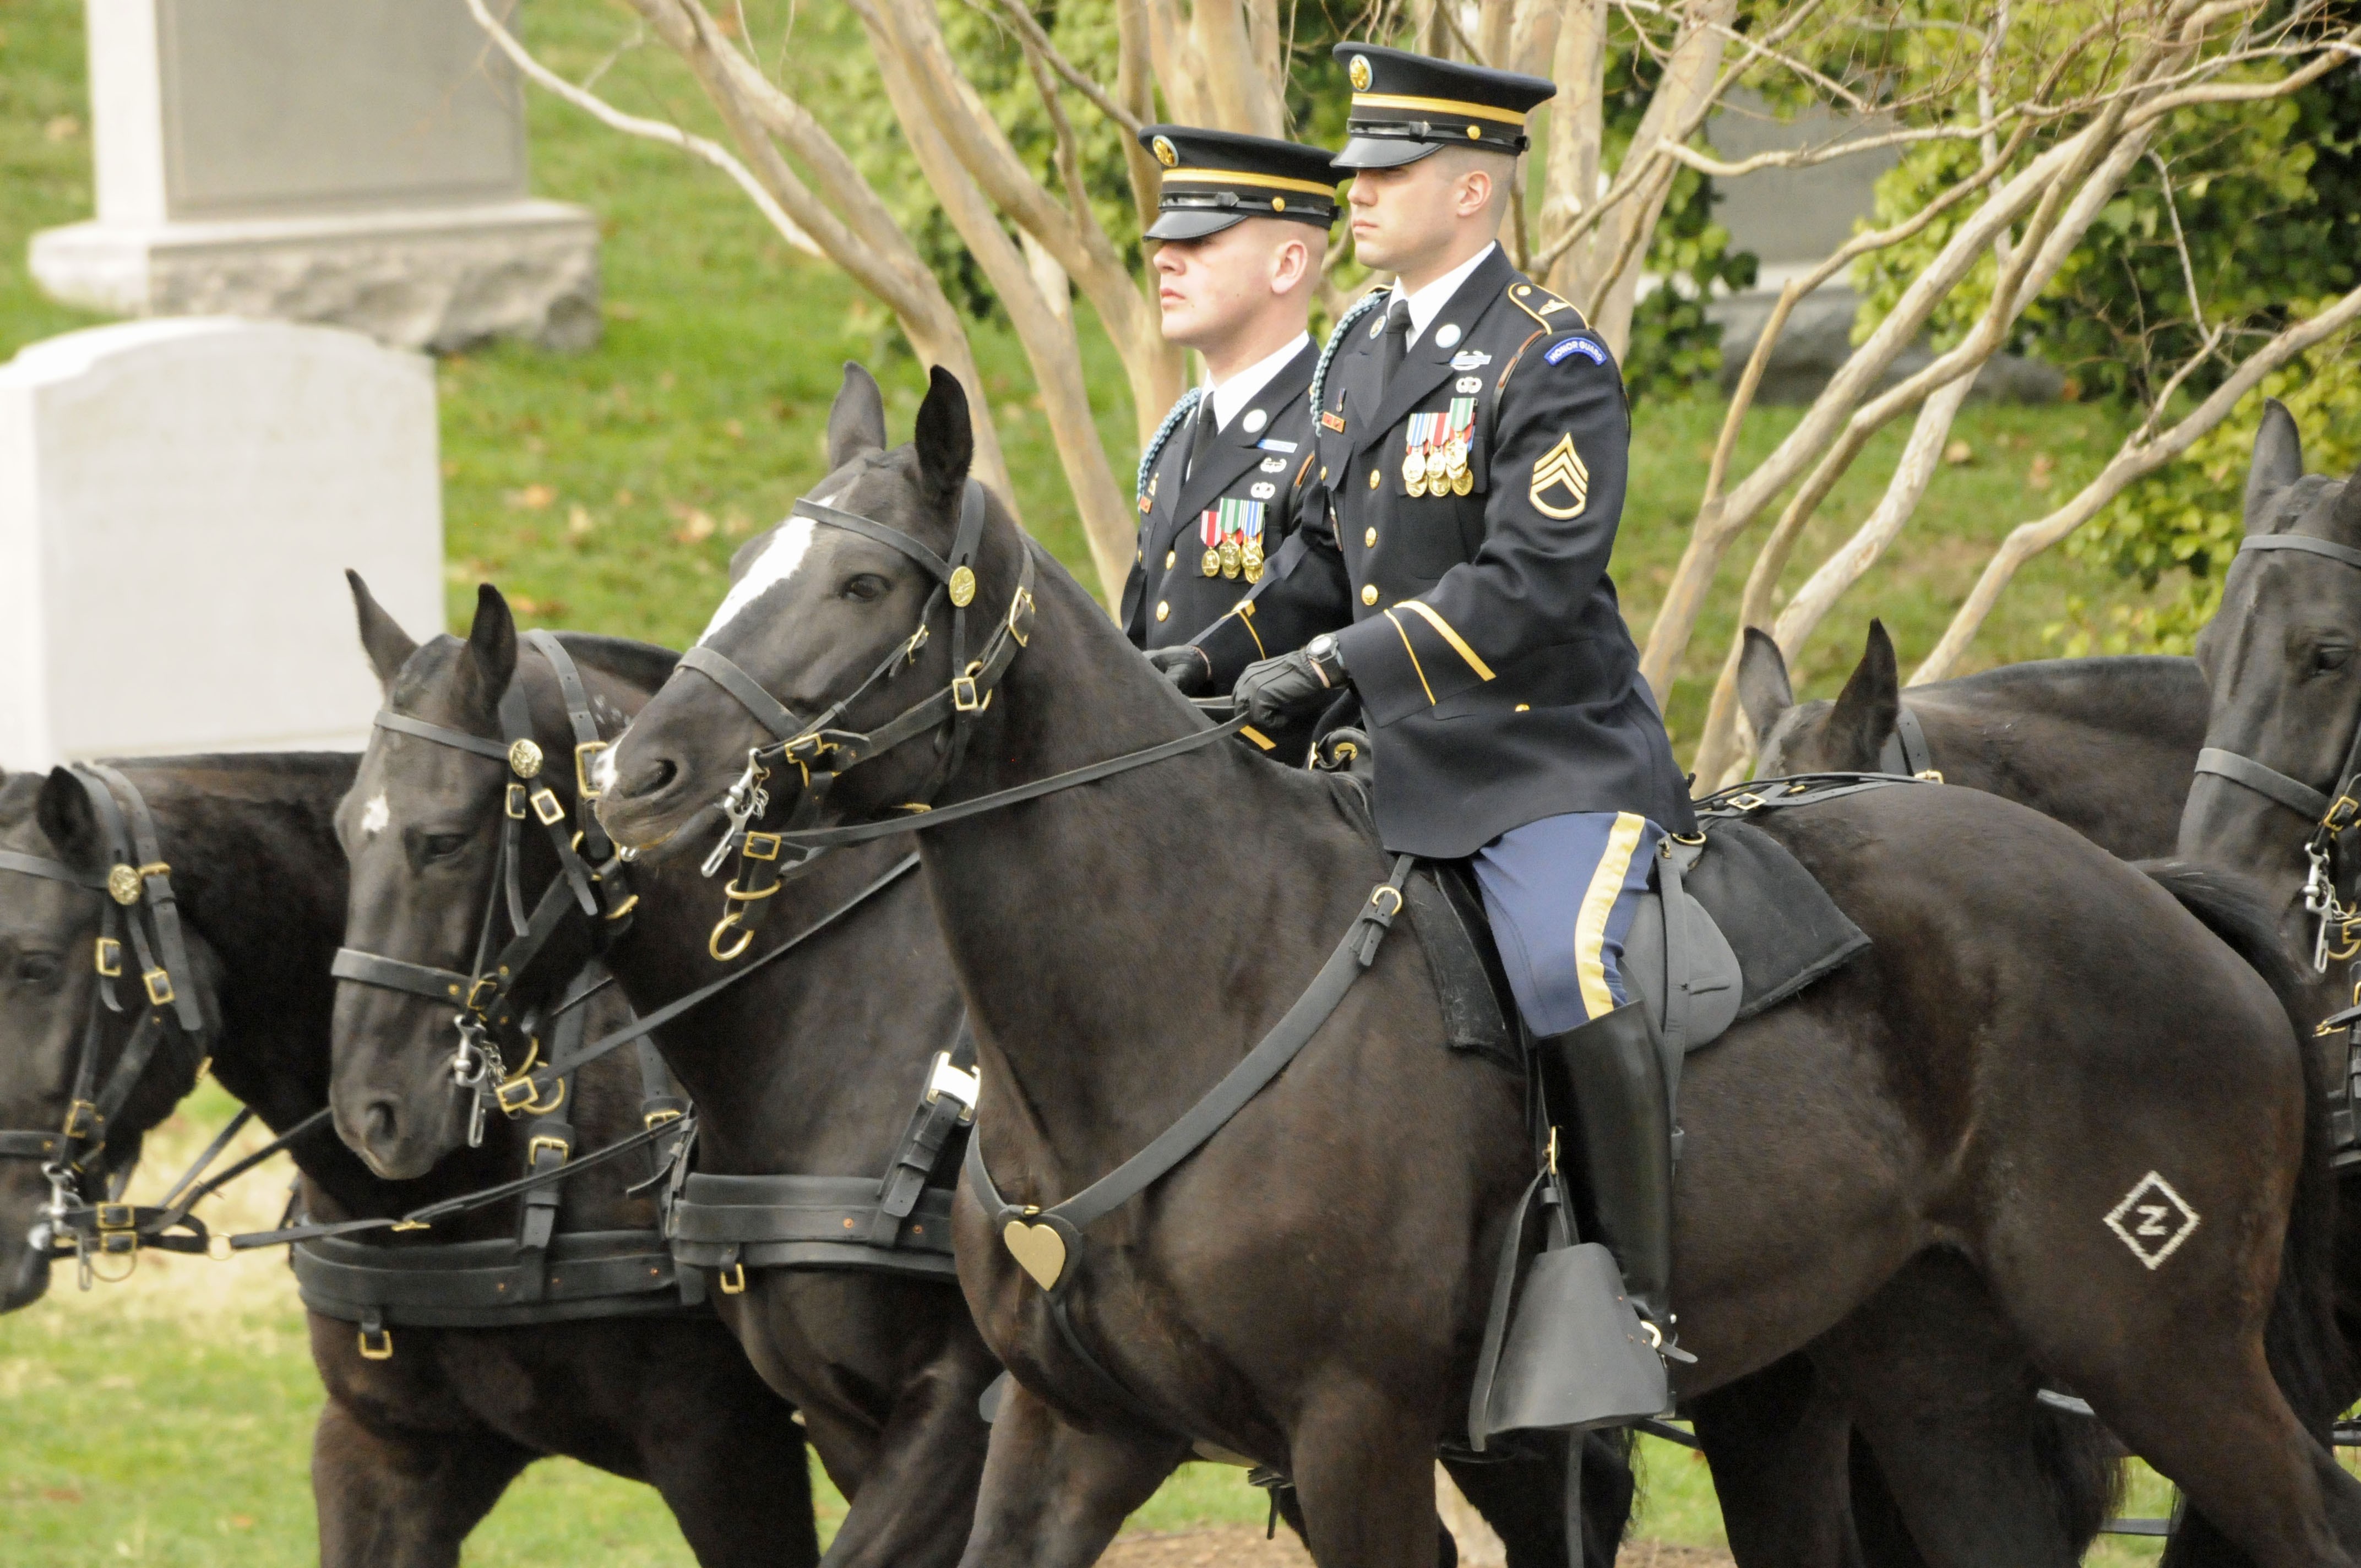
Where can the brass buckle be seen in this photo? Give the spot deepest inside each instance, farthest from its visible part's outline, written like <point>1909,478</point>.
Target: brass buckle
<point>741,895</point>
<point>108,957</point>
<point>655,1119</point>
<point>964,696</point>
<point>82,1120</point>
<point>482,993</point>
<point>558,1145</point>
<point>1019,607</point>
<point>514,1096</point>
<point>761,847</point>
<point>733,1280</point>
<point>624,908</point>
<point>160,987</point>
<point>514,806</point>
<point>1931,775</point>
<point>1379,891</point>
<point>1749,801</point>
<point>545,806</point>
<point>382,1350</point>
<point>115,1217</point>
<point>960,1084</point>
<point>2341,814</point>
<point>582,754</point>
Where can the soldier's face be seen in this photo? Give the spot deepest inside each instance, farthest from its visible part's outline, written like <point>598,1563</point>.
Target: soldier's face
<point>1404,217</point>
<point>1210,287</point>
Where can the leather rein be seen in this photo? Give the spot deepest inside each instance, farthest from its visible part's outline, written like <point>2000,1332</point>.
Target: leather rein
<point>591,878</point>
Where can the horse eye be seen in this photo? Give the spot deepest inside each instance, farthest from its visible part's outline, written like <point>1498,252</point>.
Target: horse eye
<point>441,846</point>
<point>866,588</point>
<point>2329,656</point>
<point>34,968</point>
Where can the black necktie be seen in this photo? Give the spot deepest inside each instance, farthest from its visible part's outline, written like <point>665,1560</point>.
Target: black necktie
<point>1397,343</point>
<point>1202,431</point>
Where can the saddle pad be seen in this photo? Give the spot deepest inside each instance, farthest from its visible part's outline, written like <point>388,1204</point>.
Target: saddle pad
<point>1783,927</point>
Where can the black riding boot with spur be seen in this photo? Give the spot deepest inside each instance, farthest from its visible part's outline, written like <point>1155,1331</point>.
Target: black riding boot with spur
<point>1621,1105</point>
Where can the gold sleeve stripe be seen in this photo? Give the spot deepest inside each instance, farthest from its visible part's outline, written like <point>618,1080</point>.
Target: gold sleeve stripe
<point>1244,612</point>
<point>1443,629</point>
<point>1597,903</point>
<point>1241,177</point>
<point>1438,105</point>
<point>1258,737</point>
<point>1414,664</point>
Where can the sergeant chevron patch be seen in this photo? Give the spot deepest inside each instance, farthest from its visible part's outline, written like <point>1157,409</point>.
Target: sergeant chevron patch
<point>1562,468</point>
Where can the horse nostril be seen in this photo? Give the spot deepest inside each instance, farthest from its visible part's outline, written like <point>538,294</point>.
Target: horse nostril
<point>651,777</point>
<point>378,1122</point>
<point>666,770</point>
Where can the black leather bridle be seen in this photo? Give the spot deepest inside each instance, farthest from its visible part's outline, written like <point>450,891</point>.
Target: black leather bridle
<point>818,749</point>
<point>140,908</point>
<point>2336,935</point>
<point>590,879</point>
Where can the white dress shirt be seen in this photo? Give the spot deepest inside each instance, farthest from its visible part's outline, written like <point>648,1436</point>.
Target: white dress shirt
<point>1232,396</point>
<point>1426,303</point>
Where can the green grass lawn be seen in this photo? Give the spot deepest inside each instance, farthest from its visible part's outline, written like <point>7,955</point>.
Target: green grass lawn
<point>166,1421</point>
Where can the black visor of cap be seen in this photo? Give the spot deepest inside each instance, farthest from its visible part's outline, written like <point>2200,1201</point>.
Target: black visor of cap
<point>1215,180</point>
<point>1405,105</point>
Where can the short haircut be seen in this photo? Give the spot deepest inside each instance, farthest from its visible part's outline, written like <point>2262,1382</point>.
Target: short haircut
<point>1501,166</point>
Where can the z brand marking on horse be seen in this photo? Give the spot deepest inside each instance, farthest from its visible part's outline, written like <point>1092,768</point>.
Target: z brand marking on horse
<point>2152,1219</point>
<point>375,815</point>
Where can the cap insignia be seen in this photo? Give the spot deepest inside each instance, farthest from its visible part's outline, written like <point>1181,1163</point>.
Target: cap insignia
<point>1359,72</point>
<point>1165,152</point>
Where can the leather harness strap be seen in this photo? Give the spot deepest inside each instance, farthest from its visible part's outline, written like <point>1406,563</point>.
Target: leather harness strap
<point>2293,793</point>
<point>1904,751</point>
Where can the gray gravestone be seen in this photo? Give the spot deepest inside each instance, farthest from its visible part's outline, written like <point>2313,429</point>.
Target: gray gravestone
<point>360,162</point>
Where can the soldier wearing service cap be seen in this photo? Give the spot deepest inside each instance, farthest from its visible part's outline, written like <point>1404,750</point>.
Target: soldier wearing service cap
<point>1471,437</point>
<point>1242,228</point>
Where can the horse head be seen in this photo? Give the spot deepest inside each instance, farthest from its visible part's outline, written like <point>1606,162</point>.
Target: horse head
<point>2279,663</point>
<point>1846,736</point>
<point>70,1007</point>
<point>843,617</point>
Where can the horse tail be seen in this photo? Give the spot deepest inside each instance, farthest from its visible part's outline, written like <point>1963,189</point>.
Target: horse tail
<point>2308,1355</point>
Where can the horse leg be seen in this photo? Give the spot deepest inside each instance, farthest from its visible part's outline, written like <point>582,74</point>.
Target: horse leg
<point>1944,1396</point>
<point>917,1496</point>
<point>1776,1441</point>
<point>735,1474</point>
<point>1523,1499</point>
<point>1053,1495</point>
<point>1363,1468</point>
<point>396,1499</point>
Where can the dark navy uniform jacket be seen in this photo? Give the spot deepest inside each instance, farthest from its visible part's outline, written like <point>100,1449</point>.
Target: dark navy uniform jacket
<point>1480,630</point>
<point>1263,454</point>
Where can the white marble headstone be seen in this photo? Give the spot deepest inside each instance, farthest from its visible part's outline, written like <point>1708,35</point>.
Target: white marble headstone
<point>179,500</point>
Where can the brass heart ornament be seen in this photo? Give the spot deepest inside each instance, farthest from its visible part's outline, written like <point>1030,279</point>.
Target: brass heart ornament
<point>1039,1249</point>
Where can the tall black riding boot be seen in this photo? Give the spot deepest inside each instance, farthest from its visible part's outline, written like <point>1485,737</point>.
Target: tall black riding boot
<point>1625,1115</point>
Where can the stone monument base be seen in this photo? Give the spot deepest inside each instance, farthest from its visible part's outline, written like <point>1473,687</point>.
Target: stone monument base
<point>443,280</point>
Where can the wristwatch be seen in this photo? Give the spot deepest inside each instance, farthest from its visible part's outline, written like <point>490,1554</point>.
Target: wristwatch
<point>1327,659</point>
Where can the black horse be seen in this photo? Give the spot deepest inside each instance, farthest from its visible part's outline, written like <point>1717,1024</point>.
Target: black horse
<point>2038,1038</point>
<point>2104,745</point>
<point>413,1448</point>
<point>811,1066</point>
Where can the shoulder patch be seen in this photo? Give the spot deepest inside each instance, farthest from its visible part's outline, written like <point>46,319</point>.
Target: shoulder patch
<point>1559,352</point>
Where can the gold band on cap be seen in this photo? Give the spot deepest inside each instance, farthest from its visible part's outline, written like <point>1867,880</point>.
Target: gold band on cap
<point>1239,177</point>
<point>1439,106</point>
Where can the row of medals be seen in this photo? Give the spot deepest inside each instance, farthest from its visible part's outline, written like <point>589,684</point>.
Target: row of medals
<point>1235,560</point>
<point>1438,467</point>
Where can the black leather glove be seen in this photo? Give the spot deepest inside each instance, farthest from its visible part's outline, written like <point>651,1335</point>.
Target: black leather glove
<point>1276,690</point>
<point>1185,666</point>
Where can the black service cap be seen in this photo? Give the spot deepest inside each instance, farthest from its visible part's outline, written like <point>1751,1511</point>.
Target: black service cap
<point>1405,105</point>
<point>1216,178</point>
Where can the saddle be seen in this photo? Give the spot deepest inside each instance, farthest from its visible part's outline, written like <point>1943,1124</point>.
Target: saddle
<point>1733,926</point>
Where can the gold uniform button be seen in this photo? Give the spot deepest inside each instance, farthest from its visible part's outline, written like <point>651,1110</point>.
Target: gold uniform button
<point>1162,609</point>
<point>1370,538</point>
<point>1524,708</point>
<point>1369,594</point>
<point>1374,478</point>
<point>1323,470</point>
<point>1172,559</point>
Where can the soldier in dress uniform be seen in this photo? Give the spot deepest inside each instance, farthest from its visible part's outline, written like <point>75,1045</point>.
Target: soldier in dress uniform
<point>1471,437</point>
<point>1242,227</point>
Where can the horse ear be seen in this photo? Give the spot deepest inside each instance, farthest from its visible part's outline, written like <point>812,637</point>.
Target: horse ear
<point>1865,711</point>
<point>2278,459</point>
<point>857,423</point>
<point>2348,502</point>
<point>388,645</point>
<point>945,440</point>
<point>492,640</point>
<point>64,814</point>
<point>1763,690</point>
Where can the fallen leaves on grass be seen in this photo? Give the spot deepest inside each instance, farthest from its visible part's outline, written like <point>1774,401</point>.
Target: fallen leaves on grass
<point>2043,472</point>
<point>1958,454</point>
<point>579,522</point>
<point>65,128</point>
<point>525,604</point>
<point>532,498</point>
<point>696,527</point>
